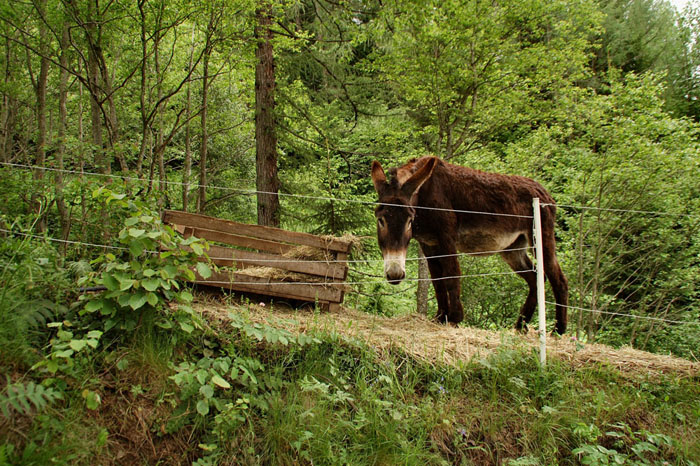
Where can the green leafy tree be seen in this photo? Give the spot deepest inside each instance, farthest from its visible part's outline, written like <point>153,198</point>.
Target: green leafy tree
<point>631,167</point>
<point>470,71</point>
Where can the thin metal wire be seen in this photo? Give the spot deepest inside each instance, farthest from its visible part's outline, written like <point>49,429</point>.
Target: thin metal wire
<point>366,282</point>
<point>370,282</point>
<point>658,319</point>
<point>367,261</point>
<point>630,211</point>
<point>252,191</point>
<point>283,260</point>
<point>57,240</point>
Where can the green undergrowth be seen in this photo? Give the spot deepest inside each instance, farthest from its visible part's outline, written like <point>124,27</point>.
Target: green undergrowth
<point>246,393</point>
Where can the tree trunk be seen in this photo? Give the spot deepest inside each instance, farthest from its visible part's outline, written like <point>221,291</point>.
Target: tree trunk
<point>159,112</point>
<point>6,110</point>
<point>267,181</point>
<point>423,283</point>
<point>93,71</point>
<point>63,214</point>
<point>41,84</point>
<point>187,169</point>
<point>202,197</point>
<point>142,93</point>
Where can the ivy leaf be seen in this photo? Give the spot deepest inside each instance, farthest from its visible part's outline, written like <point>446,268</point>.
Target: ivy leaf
<point>207,391</point>
<point>197,248</point>
<point>94,305</point>
<point>150,284</point>
<point>136,232</point>
<point>152,299</point>
<point>137,300</point>
<point>203,407</point>
<point>186,327</point>
<point>125,284</point>
<point>92,399</point>
<point>217,380</point>
<point>64,354</point>
<point>203,270</point>
<point>136,247</point>
<point>110,282</point>
<point>77,345</point>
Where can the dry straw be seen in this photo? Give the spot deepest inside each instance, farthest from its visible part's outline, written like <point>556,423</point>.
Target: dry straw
<point>438,344</point>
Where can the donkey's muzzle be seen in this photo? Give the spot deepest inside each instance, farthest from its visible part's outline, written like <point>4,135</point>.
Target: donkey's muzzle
<point>395,266</point>
<point>396,278</point>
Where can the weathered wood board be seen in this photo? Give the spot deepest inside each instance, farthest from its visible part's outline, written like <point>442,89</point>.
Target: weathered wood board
<point>242,246</point>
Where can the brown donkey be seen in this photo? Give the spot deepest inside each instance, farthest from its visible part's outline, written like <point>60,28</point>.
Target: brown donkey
<point>449,208</point>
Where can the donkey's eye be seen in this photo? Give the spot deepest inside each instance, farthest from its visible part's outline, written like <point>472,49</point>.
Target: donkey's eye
<point>381,222</point>
<point>409,223</point>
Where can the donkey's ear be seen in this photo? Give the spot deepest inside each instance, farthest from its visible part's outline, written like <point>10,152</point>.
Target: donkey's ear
<point>378,177</point>
<point>413,184</point>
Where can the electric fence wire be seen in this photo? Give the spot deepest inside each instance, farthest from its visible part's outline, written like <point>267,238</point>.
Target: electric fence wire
<point>337,199</point>
<point>252,191</point>
<point>634,316</point>
<point>327,198</point>
<point>278,261</point>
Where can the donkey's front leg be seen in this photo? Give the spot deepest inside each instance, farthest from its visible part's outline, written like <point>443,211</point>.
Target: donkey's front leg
<point>445,272</point>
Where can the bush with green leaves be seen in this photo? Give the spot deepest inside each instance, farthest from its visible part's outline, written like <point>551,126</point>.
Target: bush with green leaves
<point>149,277</point>
<point>142,284</point>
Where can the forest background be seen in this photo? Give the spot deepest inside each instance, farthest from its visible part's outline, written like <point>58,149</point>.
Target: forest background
<point>596,100</point>
<point>271,112</point>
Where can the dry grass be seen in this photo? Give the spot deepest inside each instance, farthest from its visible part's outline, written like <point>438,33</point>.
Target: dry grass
<point>435,343</point>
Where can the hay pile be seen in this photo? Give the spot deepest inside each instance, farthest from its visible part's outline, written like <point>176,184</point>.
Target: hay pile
<point>306,253</point>
<point>436,343</point>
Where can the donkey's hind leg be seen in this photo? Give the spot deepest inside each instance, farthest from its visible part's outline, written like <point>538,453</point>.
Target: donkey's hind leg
<point>522,265</point>
<point>560,285</point>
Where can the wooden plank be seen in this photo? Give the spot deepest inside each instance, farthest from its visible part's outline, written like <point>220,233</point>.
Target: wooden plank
<point>341,256</point>
<point>229,257</point>
<point>242,241</point>
<point>255,231</point>
<point>259,285</point>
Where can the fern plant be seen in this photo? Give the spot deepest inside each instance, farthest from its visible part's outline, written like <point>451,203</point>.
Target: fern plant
<point>25,397</point>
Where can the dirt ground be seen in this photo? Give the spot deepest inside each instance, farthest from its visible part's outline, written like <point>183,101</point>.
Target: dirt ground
<point>435,343</point>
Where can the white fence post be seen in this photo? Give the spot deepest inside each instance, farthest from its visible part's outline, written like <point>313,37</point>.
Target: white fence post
<point>542,324</point>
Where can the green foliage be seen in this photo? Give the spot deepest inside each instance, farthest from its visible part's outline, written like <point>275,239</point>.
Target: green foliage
<point>220,395</point>
<point>33,291</point>
<point>620,156</point>
<point>144,281</point>
<point>149,278</point>
<point>637,448</point>
<point>24,398</point>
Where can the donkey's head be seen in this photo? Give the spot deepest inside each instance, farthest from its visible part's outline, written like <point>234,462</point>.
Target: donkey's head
<point>395,212</point>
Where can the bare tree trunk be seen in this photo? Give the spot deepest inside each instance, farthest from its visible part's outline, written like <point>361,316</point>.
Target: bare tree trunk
<point>144,87</point>
<point>187,169</point>
<point>202,197</point>
<point>423,283</point>
<point>159,112</point>
<point>40,89</point>
<point>267,181</point>
<point>93,71</point>
<point>63,214</point>
<point>7,110</point>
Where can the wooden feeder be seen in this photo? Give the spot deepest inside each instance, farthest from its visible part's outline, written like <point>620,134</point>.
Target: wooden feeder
<point>269,261</point>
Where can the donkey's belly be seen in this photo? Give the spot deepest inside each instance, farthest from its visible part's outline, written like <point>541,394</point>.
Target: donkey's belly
<point>484,243</point>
